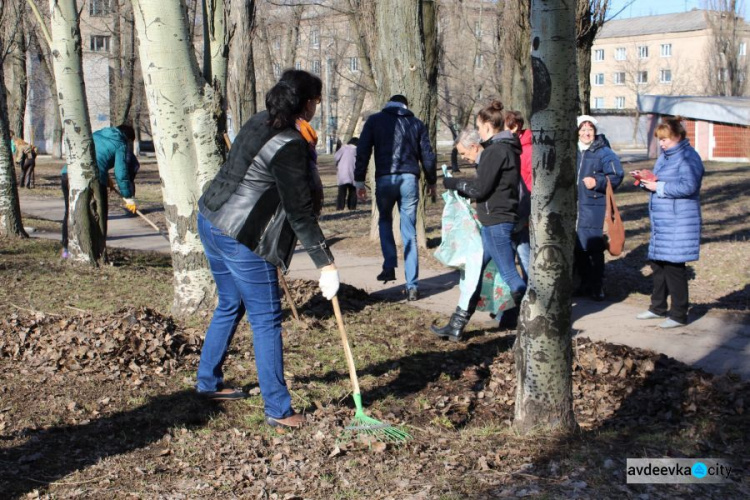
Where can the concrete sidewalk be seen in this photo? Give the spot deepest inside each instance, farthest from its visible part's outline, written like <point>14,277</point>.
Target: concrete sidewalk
<point>708,342</point>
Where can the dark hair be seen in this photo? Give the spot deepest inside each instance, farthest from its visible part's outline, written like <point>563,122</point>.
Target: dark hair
<point>670,127</point>
<point>127,131</point>
<point>590,123</point>
<point>493,114</point>
<point>514,119</point>
<point>399,98</point>
<point>287,99</point>
<point>353,141</point>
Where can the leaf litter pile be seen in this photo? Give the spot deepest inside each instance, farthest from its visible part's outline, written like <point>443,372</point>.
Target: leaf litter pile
<point>103,406</point>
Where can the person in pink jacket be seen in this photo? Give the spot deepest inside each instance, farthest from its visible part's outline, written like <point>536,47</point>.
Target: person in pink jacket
<point>345,159</point>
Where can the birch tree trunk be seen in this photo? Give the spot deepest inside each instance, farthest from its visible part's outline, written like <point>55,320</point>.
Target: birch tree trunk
<point>18,88</point>
<point>10,210</point>
<point>515,36</point>
<point>406,63</point>
<point>543,345</point>
<point>216,53</point>
<point>87,222</point>
<point>183,108</point>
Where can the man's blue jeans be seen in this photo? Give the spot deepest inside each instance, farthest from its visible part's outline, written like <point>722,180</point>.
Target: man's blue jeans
<point>243,280</point>
<point>522,246</point>
<point>404,190</point>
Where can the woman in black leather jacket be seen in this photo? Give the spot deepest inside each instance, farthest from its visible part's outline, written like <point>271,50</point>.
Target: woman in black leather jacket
<point>250,218</point>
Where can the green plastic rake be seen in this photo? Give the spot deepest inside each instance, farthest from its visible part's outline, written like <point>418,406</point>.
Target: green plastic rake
<point>362,423</point>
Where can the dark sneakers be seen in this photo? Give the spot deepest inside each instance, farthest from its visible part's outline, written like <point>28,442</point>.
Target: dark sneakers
<point>388,274</point>
<point>224,394</point>
<point>412,294</point>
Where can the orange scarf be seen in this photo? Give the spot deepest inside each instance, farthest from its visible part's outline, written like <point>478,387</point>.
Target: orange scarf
<point>307,131</point>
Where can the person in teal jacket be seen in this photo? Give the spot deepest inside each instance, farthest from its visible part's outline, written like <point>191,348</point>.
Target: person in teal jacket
<point>112,145</point>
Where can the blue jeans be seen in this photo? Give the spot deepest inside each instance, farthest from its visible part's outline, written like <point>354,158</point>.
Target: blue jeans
<point>243,280</point>
<point>404,190</point>
<point>522,247</point>
<point>496,242</point>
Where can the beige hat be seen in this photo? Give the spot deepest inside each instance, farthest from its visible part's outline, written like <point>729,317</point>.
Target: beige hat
<point>587,118</point>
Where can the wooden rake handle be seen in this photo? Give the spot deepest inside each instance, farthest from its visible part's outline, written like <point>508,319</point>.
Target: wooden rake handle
<point>345,342</point>
<point>288,294</point>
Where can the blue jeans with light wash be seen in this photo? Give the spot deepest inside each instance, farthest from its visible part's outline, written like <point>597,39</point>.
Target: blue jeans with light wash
<point>244,281</point>
<point>522,247</point>
<point>404,190</point>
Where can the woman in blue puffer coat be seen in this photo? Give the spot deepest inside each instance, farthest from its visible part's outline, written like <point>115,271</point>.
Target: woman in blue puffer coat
<point>595,164</point>
<point>675,213</point>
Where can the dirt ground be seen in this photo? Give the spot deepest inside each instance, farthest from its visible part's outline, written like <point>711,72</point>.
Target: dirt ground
<point>97,400</point>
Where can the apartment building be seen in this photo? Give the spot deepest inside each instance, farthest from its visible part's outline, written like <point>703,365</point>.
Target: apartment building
<point>671,54</point>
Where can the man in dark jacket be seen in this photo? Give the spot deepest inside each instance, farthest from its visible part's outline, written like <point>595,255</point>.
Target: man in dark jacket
<point>401,143</point>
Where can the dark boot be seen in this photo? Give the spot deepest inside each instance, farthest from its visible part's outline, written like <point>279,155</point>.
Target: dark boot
<point>509,319</point>
<point>455,327</point>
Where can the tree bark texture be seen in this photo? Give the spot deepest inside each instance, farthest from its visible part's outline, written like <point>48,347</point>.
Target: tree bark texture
<point>590,17</point>
<point>406,63</point>
<point>11,224</point>
<point>183,109</point>
<point>123,62</point>
<point>543,345</point>
<point>18,87</point>
<point>87,220</point>
<point>515,75</point>
<point>217,54</point>
<point>242,87</point>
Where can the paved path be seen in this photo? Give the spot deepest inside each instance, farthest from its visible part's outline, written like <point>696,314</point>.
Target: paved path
<point>707,342</point>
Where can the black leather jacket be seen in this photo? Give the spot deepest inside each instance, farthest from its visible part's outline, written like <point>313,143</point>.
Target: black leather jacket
<point>261,196</point>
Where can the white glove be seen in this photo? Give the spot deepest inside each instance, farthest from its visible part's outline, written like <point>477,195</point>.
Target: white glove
<point>329,283</point>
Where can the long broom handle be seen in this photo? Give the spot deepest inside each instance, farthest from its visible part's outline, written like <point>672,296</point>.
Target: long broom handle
<point>143,216</point>
<point>345,342</point>
<point>288,294</point>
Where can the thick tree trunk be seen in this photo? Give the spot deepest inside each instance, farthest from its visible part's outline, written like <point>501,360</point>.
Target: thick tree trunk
<point>216,54</point>
<point>543,346</point>
<point>406,63</point>
<point>183,110</point>
<point>515,36</point>
<point>242,87</point>
<point>87,220</point>
<point>49,76</point>
<point>18,77</point>
<point>10,210</point>
<point>123,62</point>
<point>354,114</point>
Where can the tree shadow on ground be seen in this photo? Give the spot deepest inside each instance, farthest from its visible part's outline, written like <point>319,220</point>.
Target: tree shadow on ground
<point>53,453</point>
<point>416,371</point>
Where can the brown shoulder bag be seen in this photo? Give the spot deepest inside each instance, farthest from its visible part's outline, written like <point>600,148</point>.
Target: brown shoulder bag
<point>615,229</point>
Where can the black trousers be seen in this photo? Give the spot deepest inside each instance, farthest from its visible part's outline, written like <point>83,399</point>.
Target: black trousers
<point>348,194</point>
<point>670,279</point>
<point>589,265</point>
<point>65,185</point>
<point>28,163</point>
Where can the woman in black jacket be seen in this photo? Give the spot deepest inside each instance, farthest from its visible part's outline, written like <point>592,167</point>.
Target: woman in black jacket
<point>495,190</point>
<point>250,218</point>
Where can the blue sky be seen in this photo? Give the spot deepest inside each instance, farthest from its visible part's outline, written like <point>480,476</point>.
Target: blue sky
<point>651,7</point>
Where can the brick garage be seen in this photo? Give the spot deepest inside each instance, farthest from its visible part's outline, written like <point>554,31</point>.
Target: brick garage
<point>717,127</point>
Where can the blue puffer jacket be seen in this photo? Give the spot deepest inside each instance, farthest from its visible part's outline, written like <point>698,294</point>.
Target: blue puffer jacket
<point>601,163</point>
<point>112,152</point>
<point>675,207</point>
<point>401,142</point>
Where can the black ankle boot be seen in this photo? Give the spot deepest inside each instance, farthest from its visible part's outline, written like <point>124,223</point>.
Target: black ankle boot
<point>509,319</point>
<point>455,327</point>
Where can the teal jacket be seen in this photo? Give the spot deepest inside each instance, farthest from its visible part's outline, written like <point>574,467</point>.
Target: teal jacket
<point>111,152</point>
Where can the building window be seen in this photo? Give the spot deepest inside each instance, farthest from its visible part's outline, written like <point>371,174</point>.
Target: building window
<point>619,102</point>
<point>315,66</point>
<point>598,102</point>
<point>99,43</point>
<point>354,63</point>
<point>599,55</point>
<point>643,52</point>
<point>298,65</point>
<point>620,54</point>
<point>315,38</point>
<point>642,77</point>
<point>665,76</point>
<point>98,8</point>
<point>478,61</point>
<point>666,50</point>
<point>599,79</point>
<point>743,49</point>
<point>478,29</point>
<point>619,78</point>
